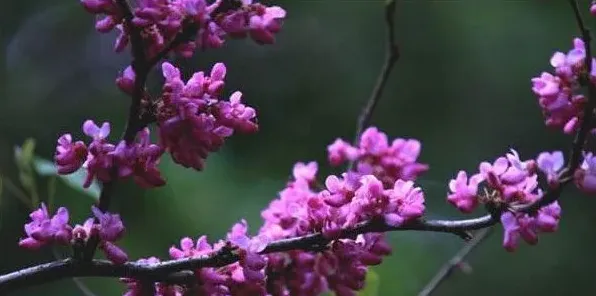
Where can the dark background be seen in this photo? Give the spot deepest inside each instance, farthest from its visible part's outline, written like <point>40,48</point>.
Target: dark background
<point>462,87</point>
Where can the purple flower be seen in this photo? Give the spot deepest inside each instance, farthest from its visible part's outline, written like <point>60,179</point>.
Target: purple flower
<point>526,227</point>
<point>561,105</point>
<point>265,23</point>
<point>585,176</point>
<point>69,156</point>
<point>551,164</point>
<point>111,227</point>
<point>43,229</point>
<point>341,151</point>
<point>464,191</point>
<point>126,81</point>
<point>113,252</point>
<point>375,157</point>
<point>193,121</point>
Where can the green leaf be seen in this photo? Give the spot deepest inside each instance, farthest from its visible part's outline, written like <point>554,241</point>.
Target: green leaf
<point>371,286</point>
<point>74,180</point>
<point>24,157</point>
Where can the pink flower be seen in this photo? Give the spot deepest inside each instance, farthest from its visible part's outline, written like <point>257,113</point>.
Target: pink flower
<point>69,156</point>
<point>520,225</point>
<point>585,176</point>
<point>43,229</point>
<point>193,121</point>
<point>464,192</point>
<point>551,164</point>
<point>375,157</point>
<point>265,23</point>
<point>561,105</point>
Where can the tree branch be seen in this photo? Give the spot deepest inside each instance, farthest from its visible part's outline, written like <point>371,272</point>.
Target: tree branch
<point>447,268</point>
<point>391,57</point>
<point>177,271</point>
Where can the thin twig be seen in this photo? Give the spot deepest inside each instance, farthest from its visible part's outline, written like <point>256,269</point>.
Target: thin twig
<point>455,261</point>
<point>391,57</point>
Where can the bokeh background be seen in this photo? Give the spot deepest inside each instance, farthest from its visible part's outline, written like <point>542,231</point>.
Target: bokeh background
<point>462,87</point>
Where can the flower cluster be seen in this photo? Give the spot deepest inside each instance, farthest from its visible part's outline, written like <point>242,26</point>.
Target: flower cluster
<point>510,182</point>
<point>375,156</point>
<point>45,230</point>
<point>558,94</point>
<point>161,21</point>
<point>301,209</point>
<point>138,160</point>
<point>192,118</point>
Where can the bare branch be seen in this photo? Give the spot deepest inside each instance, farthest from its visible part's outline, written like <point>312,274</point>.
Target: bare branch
<point>454,262</point>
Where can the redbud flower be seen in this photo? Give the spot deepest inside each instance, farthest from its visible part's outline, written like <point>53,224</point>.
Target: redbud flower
<point>193,121</point>
<point>464,191</point>
<point>551,164</point>
<point>43,229</point>
<point>126,81</point>
<point>557,94</point>
<point>69,156</point>
<point>139,159</point>
<point>341,151</point>
<point>521,225</point>
<point>265,23</point>
<point>585,176</point>
<point>374,156</point>
<point>99,160</point>
<point>160,21</point>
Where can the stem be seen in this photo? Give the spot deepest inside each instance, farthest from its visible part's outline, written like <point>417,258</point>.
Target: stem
<point>391,56</point>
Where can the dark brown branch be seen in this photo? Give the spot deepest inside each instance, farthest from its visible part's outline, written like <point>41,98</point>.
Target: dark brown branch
<point>177,271</point>
<point>391,57</point>
<point>455,261</point>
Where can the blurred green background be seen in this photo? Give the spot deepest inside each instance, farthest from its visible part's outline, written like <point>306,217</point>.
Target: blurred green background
<point>462,87</point>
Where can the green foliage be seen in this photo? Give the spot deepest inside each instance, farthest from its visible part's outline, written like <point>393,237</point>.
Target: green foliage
<point>24,159</point>
<point>74,180</point>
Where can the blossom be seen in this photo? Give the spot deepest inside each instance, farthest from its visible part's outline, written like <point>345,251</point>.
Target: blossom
<point>193,120</point>
<point>551,164</point>
<point>374,156</point>
<point>138,160</point>
<point>585,176</point>
<point>160,21</point>
<point>69,156</point>
<point>562,106</point>
<point>464,191</point>
<point>527,227</point>
<point>45,229</point>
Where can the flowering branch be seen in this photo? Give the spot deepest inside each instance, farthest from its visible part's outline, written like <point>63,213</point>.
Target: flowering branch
<point>575,156</point>
<point>177,271</point>
<point>314,238</point>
